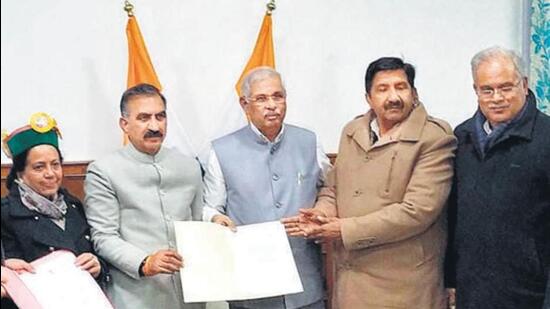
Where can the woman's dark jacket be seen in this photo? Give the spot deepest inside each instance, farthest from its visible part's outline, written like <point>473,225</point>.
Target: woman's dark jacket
<point>29,235</point>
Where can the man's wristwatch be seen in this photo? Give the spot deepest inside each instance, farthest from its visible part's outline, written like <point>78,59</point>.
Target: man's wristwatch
<point>140,269</point>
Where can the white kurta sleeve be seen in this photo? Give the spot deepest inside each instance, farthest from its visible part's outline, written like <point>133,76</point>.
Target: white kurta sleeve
<point>214,194</point>
<point>323,161</point>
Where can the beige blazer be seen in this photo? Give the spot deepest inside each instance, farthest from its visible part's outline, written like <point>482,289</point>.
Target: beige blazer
<point>391,197</point>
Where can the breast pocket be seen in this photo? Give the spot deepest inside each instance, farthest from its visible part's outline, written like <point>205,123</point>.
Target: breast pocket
<point>386,171</point>
<point>305,179</point>
<point>516,175</point>
<point>306,185</point>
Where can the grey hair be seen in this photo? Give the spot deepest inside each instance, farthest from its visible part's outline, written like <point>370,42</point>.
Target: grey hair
<point>138,90</point>
<point>497,51</point>
<point>257,74</point>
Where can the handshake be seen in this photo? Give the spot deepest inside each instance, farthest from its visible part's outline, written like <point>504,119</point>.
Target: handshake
<point>313,224</point>
<point>309,223</point>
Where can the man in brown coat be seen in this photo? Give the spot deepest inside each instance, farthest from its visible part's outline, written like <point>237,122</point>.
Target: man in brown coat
<point>384,200</point>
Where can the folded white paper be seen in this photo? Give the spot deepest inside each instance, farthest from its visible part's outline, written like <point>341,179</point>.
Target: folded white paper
<point>56,284</point>
<point>254,262</point>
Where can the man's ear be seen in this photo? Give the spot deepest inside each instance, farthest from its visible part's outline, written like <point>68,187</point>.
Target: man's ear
<point>416,101</point>
<point>367,98</point>
<point>243,103</point>
<point>525,83</point>
<point>123,123</point>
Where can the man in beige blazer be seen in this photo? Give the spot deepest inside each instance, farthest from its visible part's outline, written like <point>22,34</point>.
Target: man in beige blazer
<point>383,201</point>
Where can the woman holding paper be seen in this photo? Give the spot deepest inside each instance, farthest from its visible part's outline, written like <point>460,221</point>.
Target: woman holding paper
<point>38,216</point>
<point>16,265</point>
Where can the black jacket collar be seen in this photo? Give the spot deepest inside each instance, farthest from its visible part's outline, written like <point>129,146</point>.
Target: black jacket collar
<point>523,128</point>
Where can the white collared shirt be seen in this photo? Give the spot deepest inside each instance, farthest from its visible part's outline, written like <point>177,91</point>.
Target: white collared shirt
<point>375,129</point>
<point>487,127</point>
<point>377,137</point>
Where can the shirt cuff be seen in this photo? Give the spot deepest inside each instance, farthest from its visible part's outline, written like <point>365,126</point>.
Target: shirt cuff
<point>208,213</point>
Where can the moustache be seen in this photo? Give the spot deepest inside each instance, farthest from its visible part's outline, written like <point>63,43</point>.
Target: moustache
<point>397,104</point>
<point>151,133</point>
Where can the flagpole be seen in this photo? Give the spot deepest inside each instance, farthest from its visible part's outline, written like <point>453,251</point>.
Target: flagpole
<point>129,8</point>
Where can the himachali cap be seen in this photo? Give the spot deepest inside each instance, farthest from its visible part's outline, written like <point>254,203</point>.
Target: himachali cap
<point>42,129</point>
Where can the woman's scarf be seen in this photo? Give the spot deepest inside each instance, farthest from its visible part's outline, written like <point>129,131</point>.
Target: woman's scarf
<point>54,210</point>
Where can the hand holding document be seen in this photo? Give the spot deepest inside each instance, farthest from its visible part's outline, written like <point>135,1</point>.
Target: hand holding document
<point>254,262</point>
<point>56,283</point>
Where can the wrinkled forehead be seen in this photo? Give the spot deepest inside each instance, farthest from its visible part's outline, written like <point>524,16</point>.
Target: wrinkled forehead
<point>148,104</point>
<point>267,85</point>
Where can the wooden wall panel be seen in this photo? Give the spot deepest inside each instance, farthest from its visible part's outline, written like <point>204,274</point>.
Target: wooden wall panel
<point>74,174</point>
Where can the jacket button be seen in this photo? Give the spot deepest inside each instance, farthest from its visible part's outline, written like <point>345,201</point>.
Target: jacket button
<point>73,205</point>
<point>36,218</point>
<point>51,249</point>
<point>87,237</point>
<point>366,159</point>
<point>357,192</point>
<point>275,177</point>
<point>278,204</point>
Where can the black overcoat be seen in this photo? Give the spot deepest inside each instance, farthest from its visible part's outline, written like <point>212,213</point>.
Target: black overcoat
<point>499,216</point>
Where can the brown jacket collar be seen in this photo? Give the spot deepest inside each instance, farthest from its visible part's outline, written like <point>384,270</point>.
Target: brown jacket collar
<point>411,127</point>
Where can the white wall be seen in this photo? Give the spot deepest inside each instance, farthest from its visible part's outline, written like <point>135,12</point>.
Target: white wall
<point>69,58</point>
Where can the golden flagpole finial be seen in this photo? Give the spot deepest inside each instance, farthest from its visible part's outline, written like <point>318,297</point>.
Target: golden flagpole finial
<point>270,7</point>
<point>129,8</point>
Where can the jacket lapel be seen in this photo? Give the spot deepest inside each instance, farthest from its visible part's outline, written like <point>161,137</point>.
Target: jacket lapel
<point>75,222</point>
<point>411,128</point>
<point>360,133</point>
<point>523,129</point>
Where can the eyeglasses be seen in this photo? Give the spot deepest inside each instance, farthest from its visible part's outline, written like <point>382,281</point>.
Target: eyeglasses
<point>263,99</point>
<point>488,92</point>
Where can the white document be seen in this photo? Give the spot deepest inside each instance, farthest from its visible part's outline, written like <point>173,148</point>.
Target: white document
<point>56,284</point>
<point>254,262</point>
